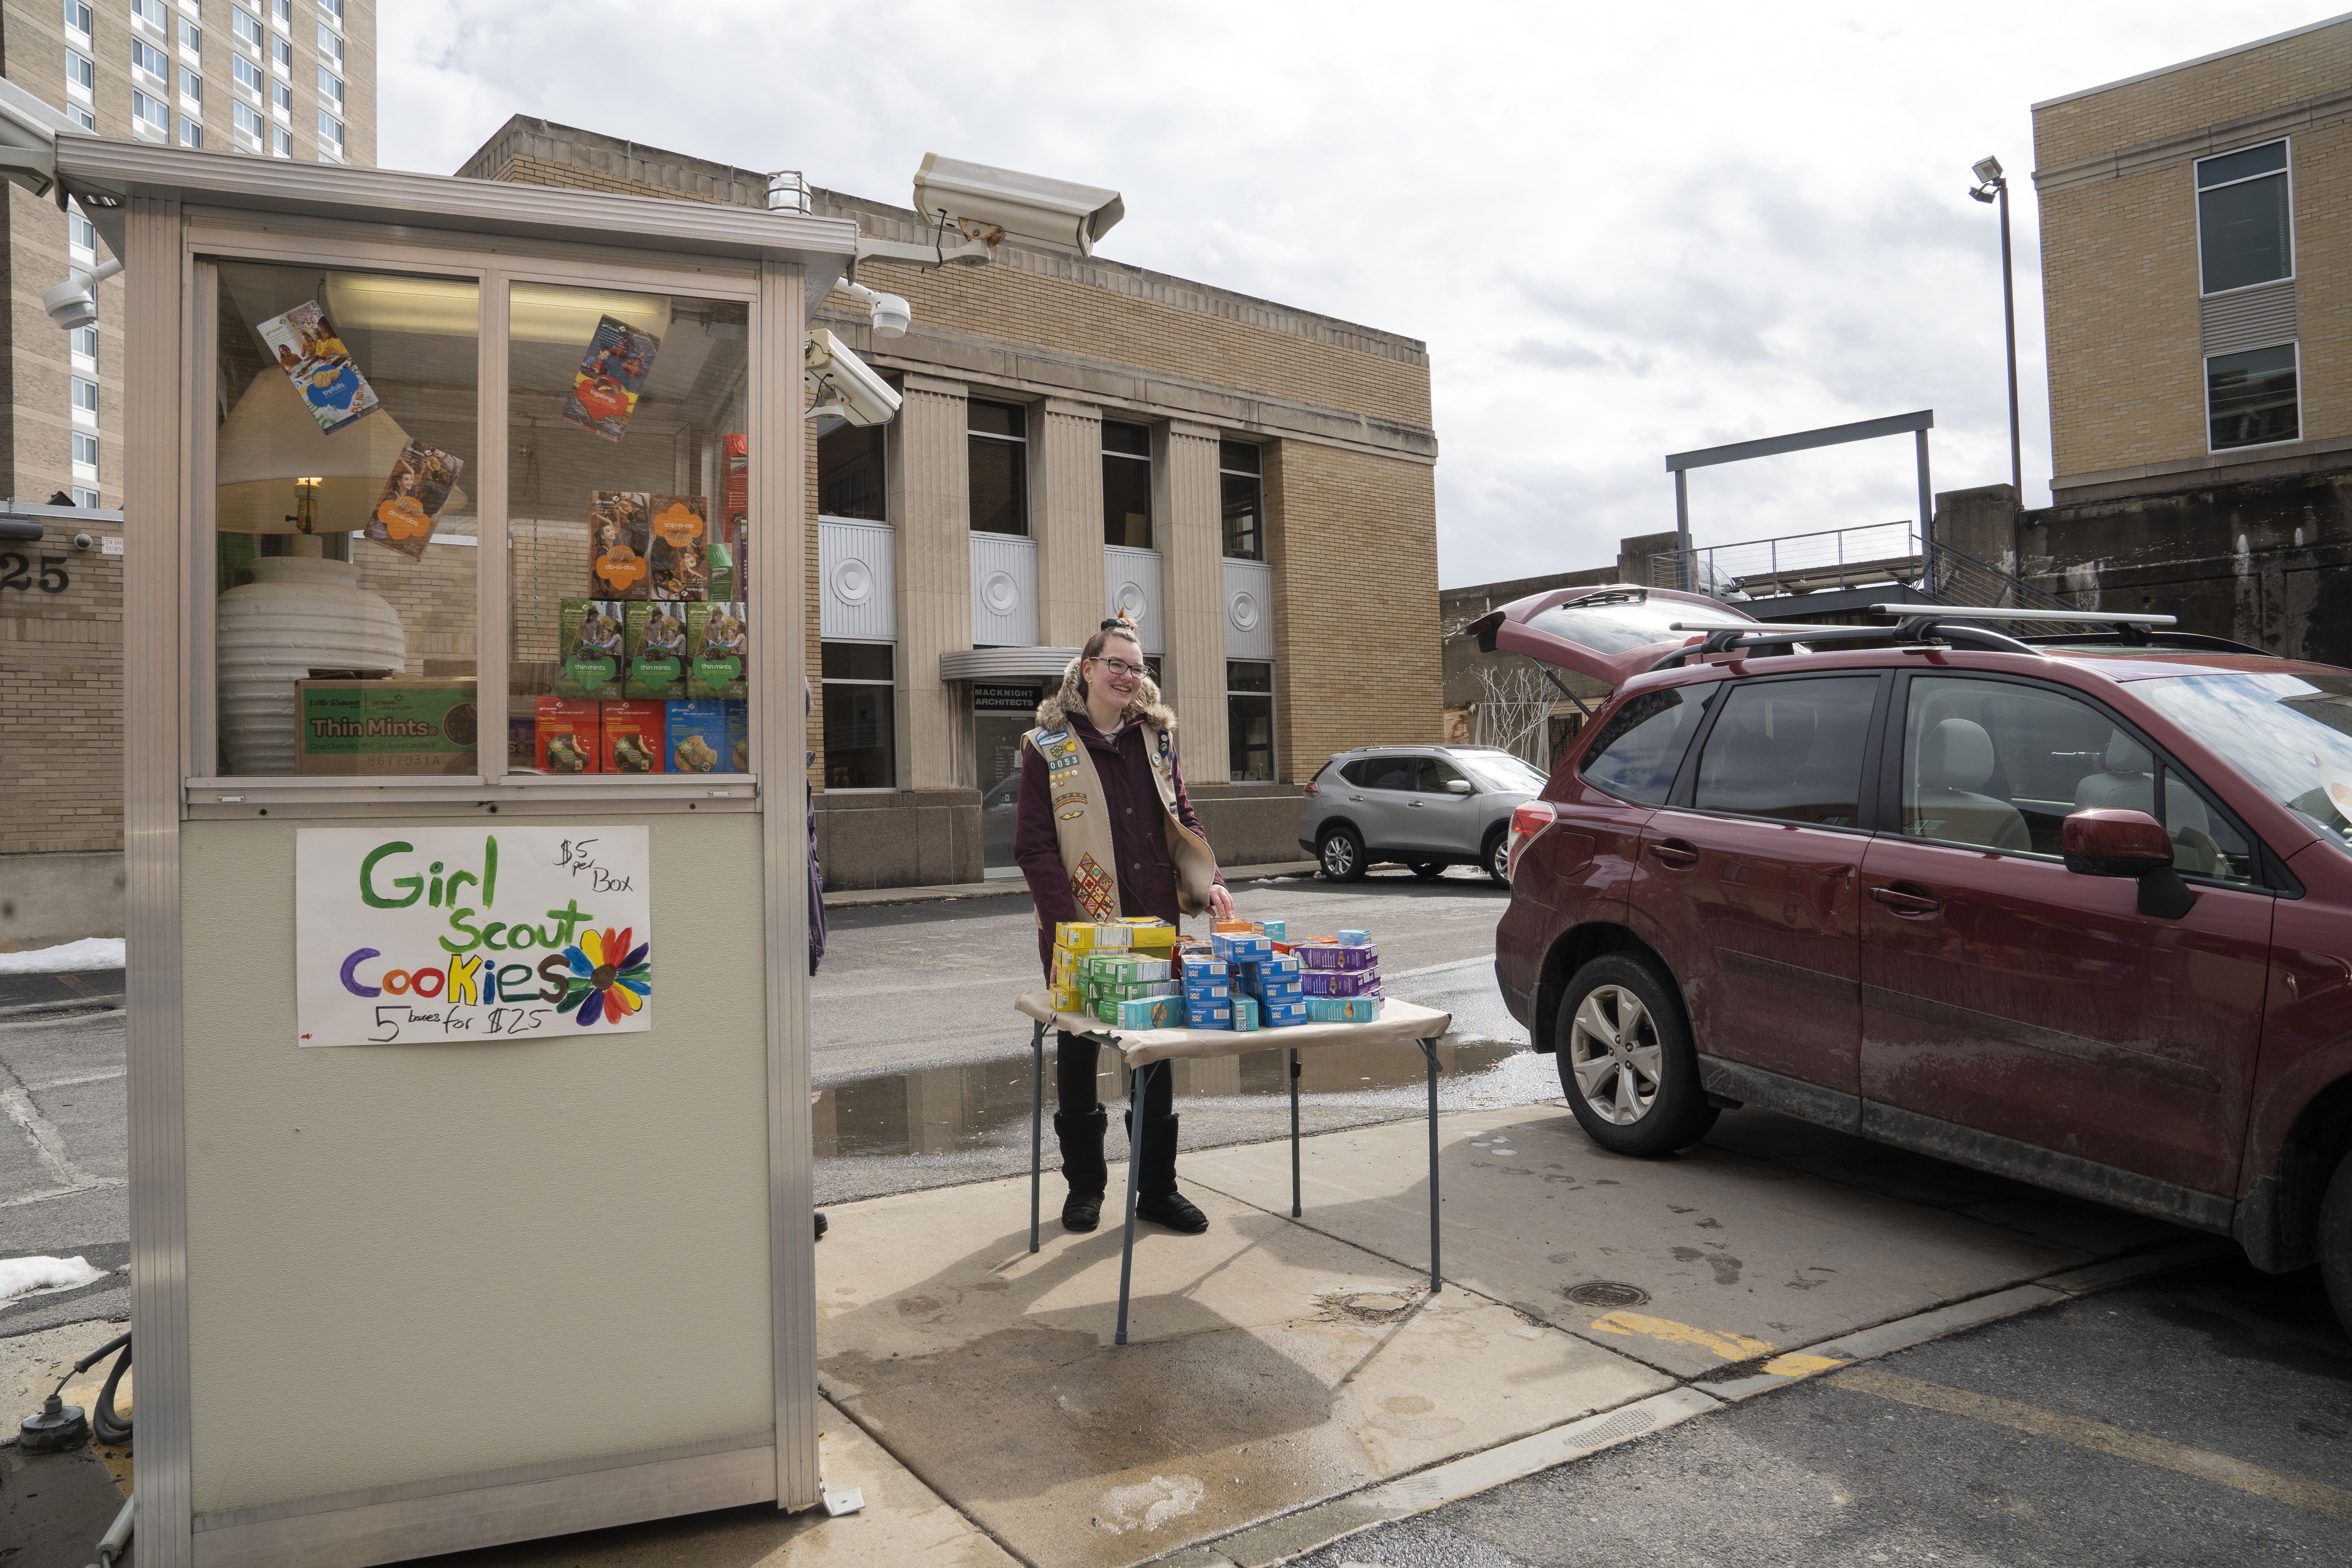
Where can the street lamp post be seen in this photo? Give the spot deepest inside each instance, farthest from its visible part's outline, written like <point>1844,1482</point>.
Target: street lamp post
<point>1992,186</point>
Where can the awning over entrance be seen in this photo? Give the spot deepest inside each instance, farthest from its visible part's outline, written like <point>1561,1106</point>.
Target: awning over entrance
<point>1007,663</point>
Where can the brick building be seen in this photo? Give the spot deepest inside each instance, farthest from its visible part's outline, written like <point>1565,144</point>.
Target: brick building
<point>1256,480</point>
<point>264,78</point>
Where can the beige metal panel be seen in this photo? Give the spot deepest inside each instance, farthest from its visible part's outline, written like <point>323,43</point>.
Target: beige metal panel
<point>157,550</point>
<point>928,482</point>
<point>1131,589</point>
<point>1190,535</point>
<point>1068,513</point>
<point>555,1229</point>
<point>779,738</point>
<point>1003,591</point>
<point>857,563</point>
<point>1249,610</point>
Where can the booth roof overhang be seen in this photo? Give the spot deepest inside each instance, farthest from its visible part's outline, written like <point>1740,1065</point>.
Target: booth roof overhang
<point>1007,663</point>
<point>104,174</point>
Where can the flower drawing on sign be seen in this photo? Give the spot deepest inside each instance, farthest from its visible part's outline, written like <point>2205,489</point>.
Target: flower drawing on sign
<point>620,566</point>
<point>679,526</point>
<point>609,978</point>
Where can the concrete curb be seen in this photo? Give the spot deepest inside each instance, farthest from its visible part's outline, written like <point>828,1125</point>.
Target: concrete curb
<point>1312,1529</point>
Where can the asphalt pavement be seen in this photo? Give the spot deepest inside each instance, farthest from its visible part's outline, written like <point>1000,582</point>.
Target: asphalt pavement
<point>2204,1417</point>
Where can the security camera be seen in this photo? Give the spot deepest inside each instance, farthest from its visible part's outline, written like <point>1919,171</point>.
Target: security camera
<point>977,197</point>
<point>74,302</point>
<point>890,314</point>
<point>849,390</point>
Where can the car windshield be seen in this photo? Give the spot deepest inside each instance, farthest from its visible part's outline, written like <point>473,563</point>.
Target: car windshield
<point>1616,623</point>
<point>1500,770</point>
<point>2291,734</point>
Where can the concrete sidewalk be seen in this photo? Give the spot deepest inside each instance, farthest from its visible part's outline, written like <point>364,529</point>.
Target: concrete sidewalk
<point>1289,1381</point>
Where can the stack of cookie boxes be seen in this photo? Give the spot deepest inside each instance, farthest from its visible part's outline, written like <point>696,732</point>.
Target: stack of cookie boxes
<point>1122,972</point>
<point>1140,974</point>
<point>1342,978</point>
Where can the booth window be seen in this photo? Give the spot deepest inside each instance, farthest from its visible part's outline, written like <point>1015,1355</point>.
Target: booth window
<point>849,473</point>
<point>2251,397</point>
<point>1249,720</point>
<point>861,749</point>
<point>1126,485</point>
<point>998,445</point>
<point>628,536</point>
<point>2245,225</point>
<point>345,447</point>
<point>1240,484</point>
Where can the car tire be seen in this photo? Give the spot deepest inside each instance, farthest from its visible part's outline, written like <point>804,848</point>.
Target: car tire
<point>1340,854</point>
<point>1626,1059</point>
<point>1429,870</point>
<point>1495,854</point>
<point>2335,1241</point>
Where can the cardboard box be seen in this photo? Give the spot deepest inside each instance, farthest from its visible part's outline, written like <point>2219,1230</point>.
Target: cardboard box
<point>1343,983</point>
<point>1281,1015</point>
<point>1067,999</point>
<point>633,737</point>
<point>656,650</point>
<point>1320,955</point>
<point>1231,946</point>
<point>1350,938</point>
<point>1152,1013</point>
<point>717,650</point>
<point>1245,1015</point>
<point>568,736</point>
<point>594,639</point>
<point>1075,936</point>
<point>738,735</point>
<point>696,735</point>
<point>403,724</point>
<point>1342,1009</point>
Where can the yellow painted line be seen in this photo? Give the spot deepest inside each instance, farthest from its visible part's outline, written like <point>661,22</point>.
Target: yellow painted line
<point>1796,1363</point>
<point>1666,1330</point>
<point>2100,1437</point>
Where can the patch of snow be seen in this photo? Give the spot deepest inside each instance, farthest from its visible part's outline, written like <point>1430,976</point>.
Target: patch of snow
<point>34,1275</point>
<point>66,957</point>
<point>1148,1505</point>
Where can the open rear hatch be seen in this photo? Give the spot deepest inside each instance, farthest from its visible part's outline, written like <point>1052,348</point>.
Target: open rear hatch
<point>1608,634</point>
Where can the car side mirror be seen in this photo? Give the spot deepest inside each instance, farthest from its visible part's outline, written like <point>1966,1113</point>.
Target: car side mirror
<point>2111,841</point>
<point>1458,787</point>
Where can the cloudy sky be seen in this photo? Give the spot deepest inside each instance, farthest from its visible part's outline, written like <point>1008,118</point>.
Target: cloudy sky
<point>1620,233</point>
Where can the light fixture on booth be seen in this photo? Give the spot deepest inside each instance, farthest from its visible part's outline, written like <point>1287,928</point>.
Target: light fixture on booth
<point>271,453</point>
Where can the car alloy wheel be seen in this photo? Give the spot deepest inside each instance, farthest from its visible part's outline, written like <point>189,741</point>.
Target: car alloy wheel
<point>1342,855</point>
<point>1614,1054</point>
<point>1499,858</point>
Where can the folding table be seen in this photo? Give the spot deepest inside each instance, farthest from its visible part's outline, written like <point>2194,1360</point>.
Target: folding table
<point>1143,1050</point>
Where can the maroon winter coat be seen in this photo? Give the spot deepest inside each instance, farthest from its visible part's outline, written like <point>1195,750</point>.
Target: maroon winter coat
<point>1147,873</point>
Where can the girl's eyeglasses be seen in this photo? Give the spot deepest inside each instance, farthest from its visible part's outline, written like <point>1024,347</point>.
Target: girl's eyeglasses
<point>1118,667</point>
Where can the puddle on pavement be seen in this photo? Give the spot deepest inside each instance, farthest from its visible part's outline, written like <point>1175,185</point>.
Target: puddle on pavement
<point>978,1105</point>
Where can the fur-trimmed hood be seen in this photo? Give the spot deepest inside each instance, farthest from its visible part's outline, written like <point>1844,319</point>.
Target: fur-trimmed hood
<point>1060,707</point>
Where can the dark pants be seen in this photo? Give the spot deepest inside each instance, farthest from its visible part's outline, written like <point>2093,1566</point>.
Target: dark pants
<point>1080,1122</point>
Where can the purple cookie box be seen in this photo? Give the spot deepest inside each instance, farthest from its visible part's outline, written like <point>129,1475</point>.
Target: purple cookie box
<point>1319,956</point>
<point>1343,983</point>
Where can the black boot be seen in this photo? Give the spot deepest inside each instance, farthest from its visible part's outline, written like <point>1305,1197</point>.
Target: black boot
<point>1081,1138</point>
<point>1156,1197</point>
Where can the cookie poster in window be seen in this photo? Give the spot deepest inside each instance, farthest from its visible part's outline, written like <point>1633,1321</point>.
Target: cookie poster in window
<point>620,546</point>
<point>321,369</point>
<point>414,497</point>
<point>681,551</point>
<point>604,390</point>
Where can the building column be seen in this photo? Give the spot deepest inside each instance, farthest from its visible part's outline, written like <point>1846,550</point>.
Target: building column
<point>1066,515</point>
<point>929,506</point>
<point>1188,531</point>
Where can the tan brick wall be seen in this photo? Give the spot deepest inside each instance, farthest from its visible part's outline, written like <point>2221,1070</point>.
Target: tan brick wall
<point>61,692</point>
<point>1357,657</point>
<point>2119,260</point>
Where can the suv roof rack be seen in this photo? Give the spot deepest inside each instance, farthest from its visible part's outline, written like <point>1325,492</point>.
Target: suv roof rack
<point>2011,613</point>
<point>2200,642</point>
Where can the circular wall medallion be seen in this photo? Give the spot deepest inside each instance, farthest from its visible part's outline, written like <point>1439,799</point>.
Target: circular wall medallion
<point>1001,594</point>
<point>1128,602</point>
<point>853,582</point>
<point>1243,611</point>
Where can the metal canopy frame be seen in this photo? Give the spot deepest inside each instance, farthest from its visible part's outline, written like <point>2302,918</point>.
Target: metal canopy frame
<point>1918,424</point>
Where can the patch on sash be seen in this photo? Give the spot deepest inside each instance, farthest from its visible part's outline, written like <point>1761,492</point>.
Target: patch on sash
<point>1070,804</point>
<point>1094,887</point>
<point>1163,757</point>
<point>1062,753</point>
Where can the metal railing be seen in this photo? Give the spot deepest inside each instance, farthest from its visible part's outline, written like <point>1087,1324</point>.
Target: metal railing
<point>1862,557</point>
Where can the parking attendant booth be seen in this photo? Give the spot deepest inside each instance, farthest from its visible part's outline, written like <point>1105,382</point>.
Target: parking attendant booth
<point>466,845</point>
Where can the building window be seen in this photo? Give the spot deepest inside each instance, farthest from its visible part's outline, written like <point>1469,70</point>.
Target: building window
<point>1249,720</point>
<point>85,498</point>
<point>84,458</point>
<point>860,725</point>
<point>849,473</point>
<point>81,76</point>
<point>246,29</point>
<point>1242,485</point>
<point>146,56</point>
<point>330,134</point>
<point>330,47</point>
<point>281,14</point>
<point>2246,230</point>
<point>77,19</point>
<point>84,343</point>
<point>330,88</point>
<point>191,133</point>
<point>1126,485</point>
<point>246,75</point>
<point>85,400</point>
<point>81,237</point>
<point>998,455</point>
<point>82,117</point>
<point>248,123</point>
<point>2251,397</point>
<point>192,39</point>
<point>333,9</point>
<point>281,143</point>
<point>150,114</point>
<point>281,101</point>
<point>282,57</point>
<point>152,12</point>
<point>192,90</point>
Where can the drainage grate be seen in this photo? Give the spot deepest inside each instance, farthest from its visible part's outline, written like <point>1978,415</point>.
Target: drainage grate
<point>1607,1294</point>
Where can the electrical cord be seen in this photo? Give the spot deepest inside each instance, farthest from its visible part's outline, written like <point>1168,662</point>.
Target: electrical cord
<point>104,1423</point>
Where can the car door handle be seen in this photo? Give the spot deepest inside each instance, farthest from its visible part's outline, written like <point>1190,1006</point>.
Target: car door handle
<point>1415,803</point>
<point>1356,798</point>
<point>1907,900</point>
<point>1676,853</point>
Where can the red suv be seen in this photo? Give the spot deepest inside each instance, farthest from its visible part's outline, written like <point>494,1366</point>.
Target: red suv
<point>2074,910</point>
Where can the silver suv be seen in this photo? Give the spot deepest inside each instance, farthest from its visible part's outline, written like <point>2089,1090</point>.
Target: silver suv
<point>1426,806</point>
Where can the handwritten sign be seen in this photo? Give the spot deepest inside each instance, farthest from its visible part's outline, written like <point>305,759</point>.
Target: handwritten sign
<point>474,934</point>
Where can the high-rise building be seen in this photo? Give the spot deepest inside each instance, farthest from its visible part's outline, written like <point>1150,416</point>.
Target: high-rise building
<point>259,78</point>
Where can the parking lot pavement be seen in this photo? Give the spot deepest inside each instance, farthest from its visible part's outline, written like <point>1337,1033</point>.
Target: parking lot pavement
<point>65,1156</point>
<point>2202,1417</point>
